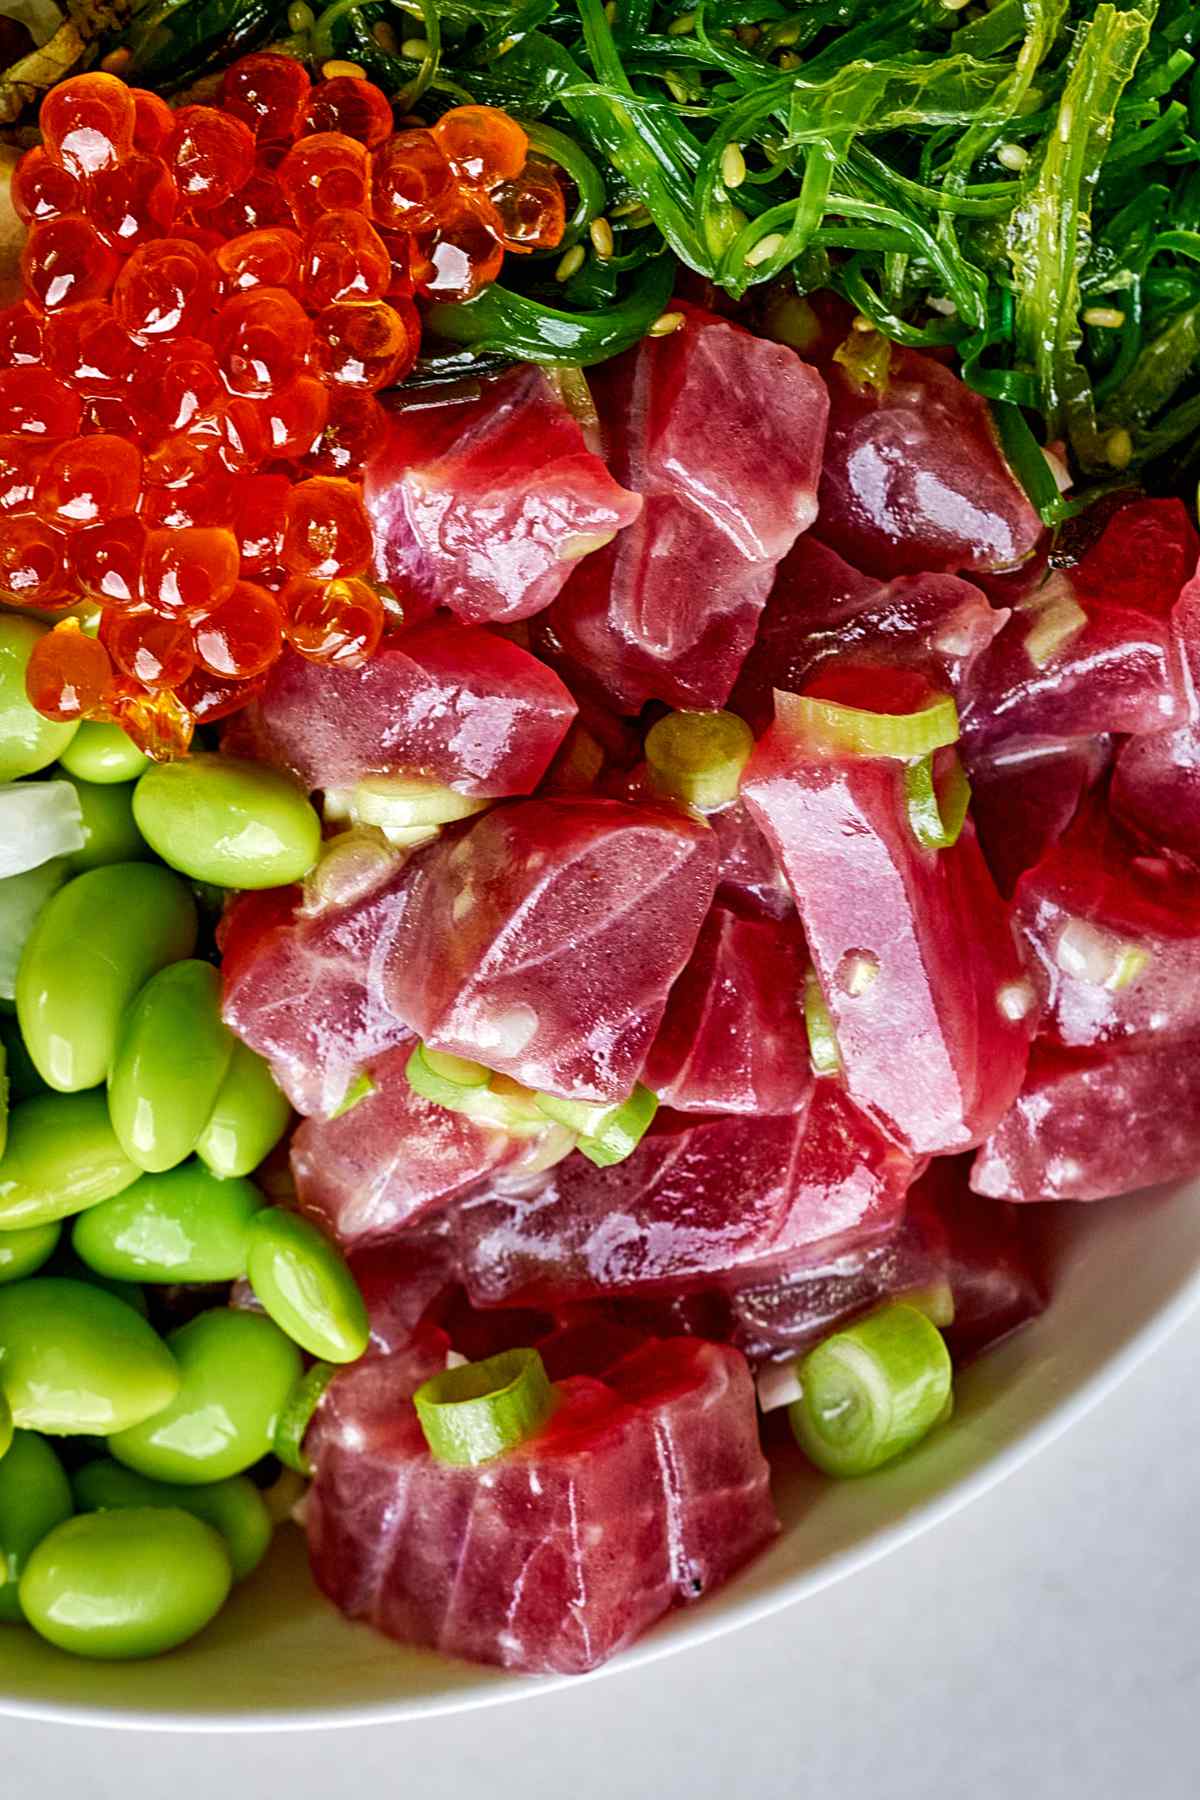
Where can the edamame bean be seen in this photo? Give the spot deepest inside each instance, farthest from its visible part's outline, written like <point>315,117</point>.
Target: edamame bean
<point>23,1252</point>
<point>248,1120</point>
<point>3,1099</point>
<point>62,1155</point>
<point>75,1359</point>
<point>6,1426</point>
<point>234,1507</point>
<point>35,1496</point>
<point>109,832</point>
<point>172,1053</point>
<point>95,944</point>
<point>119,1585</point>
<point>306,1286</point>
<point>102,753</point>
<point>183,1225</point>
<point>27,741</point>
<point>239,824</point>
<point>238,1369</point>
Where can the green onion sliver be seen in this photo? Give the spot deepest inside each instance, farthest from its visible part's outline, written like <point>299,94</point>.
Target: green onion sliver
<point>606,1134</point>
<point>822,1038</point>
<point>697,758</point>
<point>476,1091</point>
<point>478,1411</point>
<point>936,808</point>
<point>872,1391</point>
<point>296,1417</point>
<point>849,730</point>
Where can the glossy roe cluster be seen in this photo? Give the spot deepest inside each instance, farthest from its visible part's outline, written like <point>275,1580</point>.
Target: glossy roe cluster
<point>213,297</point>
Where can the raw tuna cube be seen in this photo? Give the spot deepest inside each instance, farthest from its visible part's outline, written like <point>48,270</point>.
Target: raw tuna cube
<point>913,478</point>
<point>402,1278</point>
<point>641,1492</point>
<point>391,1159</point>
<point>733,1037</point>
<point>486,507</point>
<point>748,875</point>
<point>699,1203</point>
<point>457,704</point>
<point>721,434</point>
<point>1024,796</point>
<point>1091,650</point>
<point>820,609</point>
<point>302,986</point>
<point>912,946</point>
<point>1088,1124</point>
<point>1112,939</point>
<point>543,940</point>
<point>1156,784</point>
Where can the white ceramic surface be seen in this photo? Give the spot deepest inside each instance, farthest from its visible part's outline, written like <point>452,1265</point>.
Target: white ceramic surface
<point>280,1658</point>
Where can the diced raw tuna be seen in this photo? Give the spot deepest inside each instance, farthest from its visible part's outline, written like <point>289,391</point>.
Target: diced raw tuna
<point>733,1037</point>
<point>302,985</point>
<point>699,1202</point>
<point>721,433</point>
<point>1156,783</point>
<point>543,940</point>
<point>641,1493</point>
<point>401,1278</point>
<point>912,946</point>
<point>748,875</point>
<point>821,609</point>
<point>992,1257</point>
<point>1112,939</point>
<point>486,507</point>
<point>391,1159</point>
<point>1091,650</point>
<point>1024,796</point>
<point>913,478</point>
<point>1089,1124</point>
<point>460,705</point>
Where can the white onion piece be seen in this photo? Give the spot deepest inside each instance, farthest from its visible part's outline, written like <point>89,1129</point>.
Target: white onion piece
<point>22,898</point>
<point>778,1385</point>
<point>38,820</point>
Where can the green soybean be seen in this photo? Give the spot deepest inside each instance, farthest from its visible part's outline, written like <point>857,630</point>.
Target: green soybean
<point>27,741</point>
<point>109,832</point>
<point>248,1119</point>
<point>306,1286</point>
<point>182,1225</point>
<point>95,944</point>
<point>35,1496</point>
<point>3,1099</point>
<point>62,1155</point>
<point>132,1583</point>
<point>238,1369</point>
<point>6,1426</point>
<point>171,1056</point>
<point>76,1360</point>
<point>238,824</point>
<point>24,1252</point>
<point>234,1507</point>
<point>102,753</point>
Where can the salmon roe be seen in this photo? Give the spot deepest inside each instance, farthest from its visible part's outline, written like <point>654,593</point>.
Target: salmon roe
<point>213,296</point>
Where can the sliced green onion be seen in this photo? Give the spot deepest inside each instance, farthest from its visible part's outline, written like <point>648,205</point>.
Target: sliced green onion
<point>697,758</point>
<point>478,1411</point>
<point>849,730</point>
<point>405,808</point>
<point>872,1391</point>
<point>296,1417</point>
<point>822,1038</point>
<point>607,1134</point>
<point>937,801</point>
<point>473,1090</point>
<point>359,1089</point>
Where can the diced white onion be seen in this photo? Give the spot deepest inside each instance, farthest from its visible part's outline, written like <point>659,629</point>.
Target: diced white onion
<point>22,898</point>
<point>38,820</point>
<point>1015,1000</point>
<point>778,1385</point>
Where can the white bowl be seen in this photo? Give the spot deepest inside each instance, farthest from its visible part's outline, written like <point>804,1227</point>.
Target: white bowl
<point>281,1658</point>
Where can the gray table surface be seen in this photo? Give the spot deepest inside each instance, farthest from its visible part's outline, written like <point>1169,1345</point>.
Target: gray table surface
<point>1042,1645</point>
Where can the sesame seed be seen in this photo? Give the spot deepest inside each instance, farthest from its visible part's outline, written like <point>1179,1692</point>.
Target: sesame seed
<point>665,324</point>
<point>117,61</point>
<point>787,34</point>
<point>860,322</point>
<point>682,25</point>
<point>765,249</point>
<point>570,264</point>
<point>338,70</point>
<point>1012,156</point>
<point>1118,447</point>
<point>733,166</point>
<point>385,37</point>
<point>789,60</point>
<point>1107,318</point>
<point>939,303</point>
<point>678,86</point>
<point>955,5</point>
<point>301,17</point>
<point>601,234</point>
<point>416,49</point>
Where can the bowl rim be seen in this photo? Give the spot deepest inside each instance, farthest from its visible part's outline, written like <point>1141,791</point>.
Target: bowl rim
<point>1137,1344</point>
